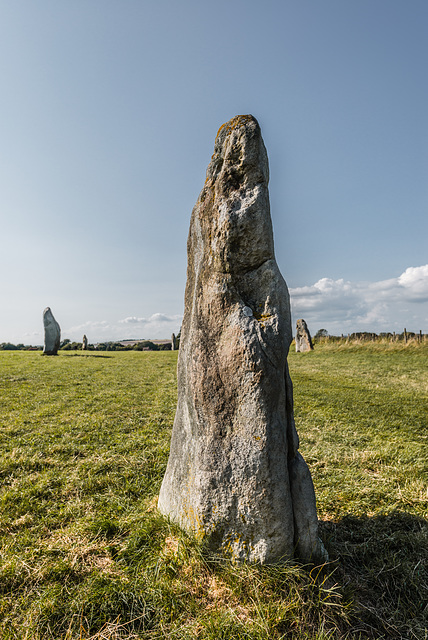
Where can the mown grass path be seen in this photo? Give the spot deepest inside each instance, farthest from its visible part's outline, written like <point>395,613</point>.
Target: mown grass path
<point>84,553</point>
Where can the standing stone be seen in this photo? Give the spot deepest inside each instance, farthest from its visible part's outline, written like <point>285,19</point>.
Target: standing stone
<point>84,343</point>
<point>173,342</point>
<point>52,333</point>
<point>235,475</point>
<point>303,337</point>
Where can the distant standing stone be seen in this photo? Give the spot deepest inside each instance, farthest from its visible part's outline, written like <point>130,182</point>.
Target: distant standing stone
<point>235,475</point>
<point>84,343</point>
<point>52,333</point>
<point>303,337</point>
<point>173,342</point>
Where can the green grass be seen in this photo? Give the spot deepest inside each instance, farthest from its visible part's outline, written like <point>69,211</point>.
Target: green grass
<point>85,554</point>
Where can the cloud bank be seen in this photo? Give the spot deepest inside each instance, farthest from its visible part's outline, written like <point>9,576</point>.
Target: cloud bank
<point>340,306</point>
<point>343,307</point>
<point>158,325</point>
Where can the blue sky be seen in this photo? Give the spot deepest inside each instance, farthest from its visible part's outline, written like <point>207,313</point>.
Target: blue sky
<point>109,114</point>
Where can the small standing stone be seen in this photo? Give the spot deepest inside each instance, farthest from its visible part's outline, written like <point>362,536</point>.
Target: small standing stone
<point>235,475</point>
<point>303,337</point>
<point>52,333</point>
<point>84,343</point>
<point>173,342</point>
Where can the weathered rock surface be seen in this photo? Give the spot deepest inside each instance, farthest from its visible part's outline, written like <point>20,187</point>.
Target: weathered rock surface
<point>303,337</point>
<point>84,343</point>
<point>234,473</point>
<point>52,333</point>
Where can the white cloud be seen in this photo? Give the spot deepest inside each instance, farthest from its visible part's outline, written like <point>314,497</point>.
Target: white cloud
<point>155,318</point>
<point>415,282</point>
<point>342,306</point>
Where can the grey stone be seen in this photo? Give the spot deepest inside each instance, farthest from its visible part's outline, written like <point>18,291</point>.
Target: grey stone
<point>52,333</point>
<point>84,343</point>
<point>303,337</point>
<point>173,342</point>
<point>234,475</point>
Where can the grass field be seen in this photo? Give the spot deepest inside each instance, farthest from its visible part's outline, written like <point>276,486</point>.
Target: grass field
<point>84,553</point>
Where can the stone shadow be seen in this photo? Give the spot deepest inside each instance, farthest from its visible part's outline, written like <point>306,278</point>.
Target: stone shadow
<point>87,355</point>
<point>382,565</point>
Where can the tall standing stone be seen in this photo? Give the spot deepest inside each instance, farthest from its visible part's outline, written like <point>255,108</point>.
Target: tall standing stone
<point>235,474</point>
<point>84,343</point>
<point>52,333</point>
<point>173,342</point>
<point>303,337</point>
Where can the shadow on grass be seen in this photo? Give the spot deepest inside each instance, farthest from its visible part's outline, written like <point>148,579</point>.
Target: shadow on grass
<point>382,562</point>
<point>86,355</point>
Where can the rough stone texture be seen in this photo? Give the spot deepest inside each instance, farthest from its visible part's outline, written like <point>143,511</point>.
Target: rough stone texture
<point>173,342</point>
<point>234,473</point>
<point>52,333</point>
<point>303,337</point>
<point>84,343</point>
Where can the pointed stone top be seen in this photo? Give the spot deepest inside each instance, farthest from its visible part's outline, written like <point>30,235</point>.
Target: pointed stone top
<point>233,207</point>
<point>48,316</point>
<point>236,123</point>
<point>239,149</point>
